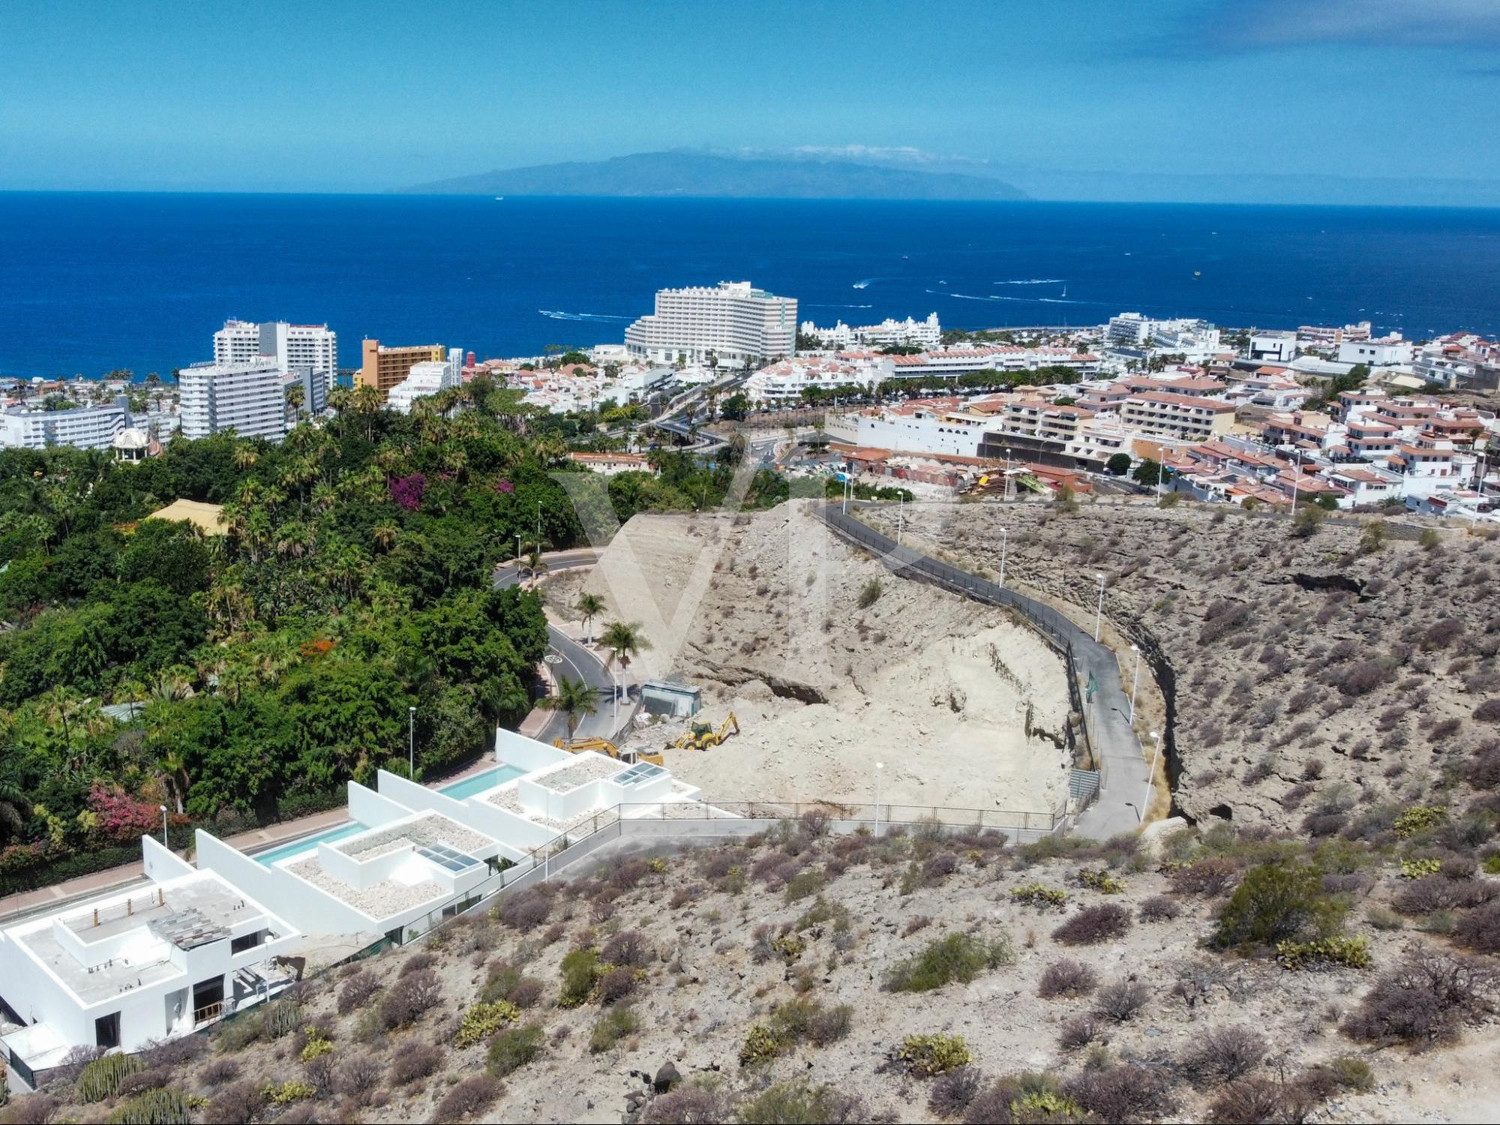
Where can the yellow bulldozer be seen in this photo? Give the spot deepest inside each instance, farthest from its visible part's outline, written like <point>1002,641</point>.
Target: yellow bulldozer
<point>700,736</point>
<point>605,746</point>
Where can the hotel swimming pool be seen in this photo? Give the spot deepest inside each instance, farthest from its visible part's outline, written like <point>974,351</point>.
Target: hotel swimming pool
<point>307,843</point>
<point>471,786</point>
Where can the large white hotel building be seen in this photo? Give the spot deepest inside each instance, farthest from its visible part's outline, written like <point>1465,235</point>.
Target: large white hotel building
<point>293,346</point>
<point>733,321</point>
<point>249,398</point>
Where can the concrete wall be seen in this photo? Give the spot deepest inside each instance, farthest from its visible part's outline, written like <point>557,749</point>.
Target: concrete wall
<point>303,905</point>
<point>526,753</point>
<point>162,864</point>
<point>515,834</point>
<point>371,809</point>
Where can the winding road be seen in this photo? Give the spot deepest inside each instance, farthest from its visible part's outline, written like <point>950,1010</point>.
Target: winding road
<point>578,662</point>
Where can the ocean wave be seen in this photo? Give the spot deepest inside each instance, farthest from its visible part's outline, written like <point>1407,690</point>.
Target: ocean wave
<point>557,314</point>
<point>812,305</point>
<point>865,284</point>
<point>1032,281</point>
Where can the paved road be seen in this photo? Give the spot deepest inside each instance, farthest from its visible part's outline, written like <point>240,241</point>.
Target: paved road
<point>1123,768</point>
<point>578,661</point>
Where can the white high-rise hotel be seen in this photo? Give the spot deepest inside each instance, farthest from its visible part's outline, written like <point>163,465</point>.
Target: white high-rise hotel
<point>734,321</point>
<point>249,398</point>
<point>292,345</point>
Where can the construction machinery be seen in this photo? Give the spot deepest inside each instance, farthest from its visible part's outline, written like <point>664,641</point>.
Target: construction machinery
<point>605,746</point>
<point>700,736</point>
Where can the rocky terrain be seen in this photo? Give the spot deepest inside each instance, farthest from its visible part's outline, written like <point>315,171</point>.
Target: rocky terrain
<point>797,976</point>
<point>1311,676</point>
<point>830,665</point>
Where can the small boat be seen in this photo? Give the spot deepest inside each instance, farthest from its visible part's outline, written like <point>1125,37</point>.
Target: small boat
<point>499,198</point>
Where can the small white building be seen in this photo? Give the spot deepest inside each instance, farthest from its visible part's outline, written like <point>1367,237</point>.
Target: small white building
<point>612,464</point>
<point>1273,347</point>
<point>1387,351</point>
<point>82,427</point>
<point>909,332</point>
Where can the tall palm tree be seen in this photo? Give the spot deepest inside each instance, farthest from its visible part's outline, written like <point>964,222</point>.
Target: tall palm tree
<point>575,698</point>
<point>588,605</point>
<point>535,565</point>
<point>624,640</point>
<point>384,534</point>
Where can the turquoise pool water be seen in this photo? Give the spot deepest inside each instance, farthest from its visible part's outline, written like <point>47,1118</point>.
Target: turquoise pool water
<point>307,843</point>
<point>469,786</point>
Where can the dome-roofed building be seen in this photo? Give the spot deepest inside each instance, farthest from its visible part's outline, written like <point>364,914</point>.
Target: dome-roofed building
<point>135,444</point>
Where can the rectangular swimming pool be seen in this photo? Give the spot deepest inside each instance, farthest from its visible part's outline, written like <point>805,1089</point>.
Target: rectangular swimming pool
<point>308,843</point>
<point>470,786</point>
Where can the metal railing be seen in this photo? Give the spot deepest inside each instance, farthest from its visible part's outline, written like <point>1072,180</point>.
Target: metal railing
<point>208,1012</point>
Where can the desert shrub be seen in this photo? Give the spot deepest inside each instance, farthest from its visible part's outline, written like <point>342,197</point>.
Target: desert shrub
<point>1479,929</point>
<point>356,991</point>
<point>358,1076</point>
<point>801,885</point>
<point>1417,868</point>
<point>869,593</point>
<point>928,1055</point>
<point>611,1027</point>
<point>512,1048</point>
<point>292,1090</point>
<point>1442,633</point>
<point>473,1095</point>
<point>952,1092</point>
<point>1351,1073</point>
<point>1122,1000</point>
<point>580,971</point>
<point>629,947</point>
<point>175,1052</point>
<point>1249,1101</point>
<point>143,1080</point>
<point>790,1102</point>
<point>1348,952</point>
<point>240,1032</point>
<point>483,1020</point>
<point>1159,908</point>
<point>154,1107</point>
<point>1121,1093</point>
<point>1488,711</point>
<point>616,984</point>
<point>1363,677</point>
<point>525,910</point>
<point>1039,894</point>
<point>414,1062</point>
<point>1276,902</point>
<point>1079,1032</point>
<point>508,983</point>
<point>957,957</point>
<point>1066,978</point>
<point>687,1105</point>
<point>1425,999</point>
<point>281,1017</point>
<point>409,997</point>
<point>416,963</point>
<point>629,872</point>
<point>236,1104</point>
<point>1224,1054</point>
<point>102,1077</point>
<point>220,1071</point>
<point>1433,892</point>
<point>314,1043</point>
<point>1101,880</point>
<point>1211,876</point>
<point>1022,1097</point>
<point>1093,924</point>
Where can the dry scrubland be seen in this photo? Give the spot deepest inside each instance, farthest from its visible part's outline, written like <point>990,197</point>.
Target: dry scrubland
<point>801,977</point>
<point>1322,683</point>
<point>830,664</point>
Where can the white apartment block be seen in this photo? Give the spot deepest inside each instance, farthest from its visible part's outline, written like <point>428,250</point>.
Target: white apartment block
<point>1273,347</point>
<point>785,380</point>
<point>916,427</point>
<point>916,333</point>
<point>733,321</point>
<point>424,379</point>
<point>83,427</point>
<point>292,346</point>
<point>992,357</point>
<point>1387,351</point>
<point>1184,417</point>
<point>1317,336</point>
<point>248,398</point>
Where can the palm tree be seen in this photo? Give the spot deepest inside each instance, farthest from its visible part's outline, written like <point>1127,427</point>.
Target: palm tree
<point>535,565</point>
<point>384,534</point>
<point>15,804</point>
<point>588,605</point>
<point>624,641</point>
<point>575,698</point>
<point>244,455</point>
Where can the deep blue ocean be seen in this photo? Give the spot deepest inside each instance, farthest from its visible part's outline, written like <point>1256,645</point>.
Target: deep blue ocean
<point>91,282</point>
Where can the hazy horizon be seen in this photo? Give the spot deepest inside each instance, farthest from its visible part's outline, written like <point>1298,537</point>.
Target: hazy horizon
<point>1373,101</point>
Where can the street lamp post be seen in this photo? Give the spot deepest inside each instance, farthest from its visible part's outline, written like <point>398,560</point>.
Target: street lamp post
<point>1296,475</point>
<point>1099,612</point>
<point>879,769</point>
<point>900,517</point>
<point>164,841</point>
<point>411,743</point>
<point>1151,777</point>
<point>1003,538</point>
<point>518,553</point>
<point>1135,679</point>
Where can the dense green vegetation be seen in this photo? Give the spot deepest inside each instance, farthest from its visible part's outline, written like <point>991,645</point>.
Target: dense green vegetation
<point>270,664</point>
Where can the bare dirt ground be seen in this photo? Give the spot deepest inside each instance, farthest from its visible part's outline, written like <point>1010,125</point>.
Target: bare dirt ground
<point>1312,675</point>
<point>965,708</point>
<point>698,927</point>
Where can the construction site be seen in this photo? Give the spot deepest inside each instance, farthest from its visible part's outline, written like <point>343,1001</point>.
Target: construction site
<point>815,665</point>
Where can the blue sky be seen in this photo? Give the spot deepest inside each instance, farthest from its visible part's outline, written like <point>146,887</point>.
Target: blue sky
<point>336,95</point>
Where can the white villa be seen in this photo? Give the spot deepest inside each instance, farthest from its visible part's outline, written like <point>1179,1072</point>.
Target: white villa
<point>189,944</point>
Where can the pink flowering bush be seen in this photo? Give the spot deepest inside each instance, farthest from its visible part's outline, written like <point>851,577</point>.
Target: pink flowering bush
<point>120,816</point>
<point>505,488</point>
<point>408,491</point>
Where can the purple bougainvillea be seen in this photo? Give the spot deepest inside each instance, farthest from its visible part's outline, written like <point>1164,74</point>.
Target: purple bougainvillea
<point>505,488</point>
<point>408,491</point>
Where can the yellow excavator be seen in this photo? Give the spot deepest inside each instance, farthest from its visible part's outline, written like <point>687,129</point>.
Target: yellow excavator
<point>605,746</point>
<point>700,736</point>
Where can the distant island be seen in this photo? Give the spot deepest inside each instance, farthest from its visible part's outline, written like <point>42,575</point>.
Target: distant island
<point>701,174</point>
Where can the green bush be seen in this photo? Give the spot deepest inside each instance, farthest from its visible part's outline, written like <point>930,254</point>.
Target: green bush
<point>799,1103</point>
<point>1351,953</point>
<point>292,1090</point>
<point>929,1055</point>
<point>796,1021</point>
<point>1418,819</point>
<point>1101,881</point>
<point>613,1026</point>
<point>1417,868</point>
<point>790,946</point>
<point>581,970</point>
<point>154,1107</point>
<point>317,1044</point>
<point>869,593</point>
<point>102,1077</point>
<point>513,1048</point>
<point>957,957</point>
<point>1277,902</point>
<point>282,1017</point>
<point>1352,1073</point>
<point>802,884</point>
<point>484,1019</point>
<point>1039,894</point>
